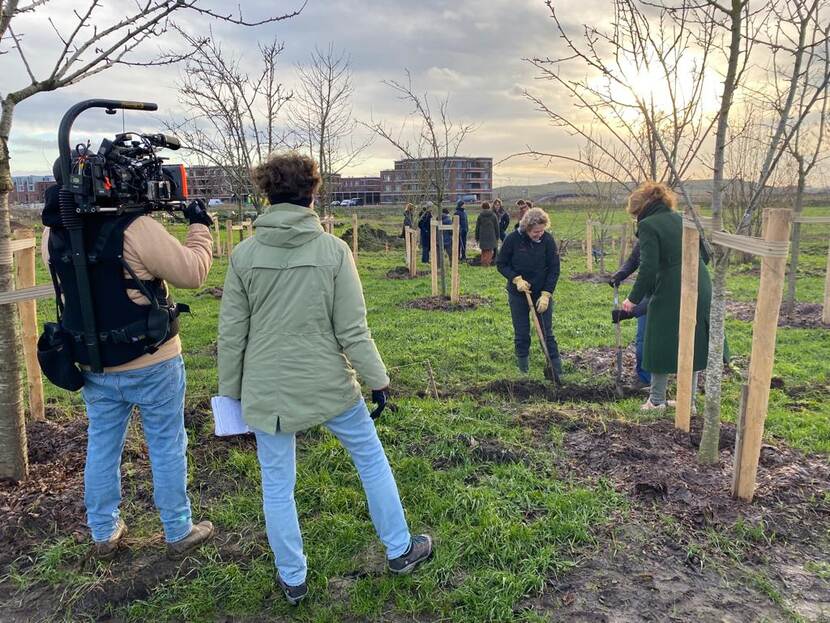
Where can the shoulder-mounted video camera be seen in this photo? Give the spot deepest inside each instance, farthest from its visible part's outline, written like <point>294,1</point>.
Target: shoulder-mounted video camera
<point>125,174</point>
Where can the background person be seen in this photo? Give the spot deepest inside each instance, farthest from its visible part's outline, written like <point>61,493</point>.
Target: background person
<point>463,229</point>
<point>504,219</point>
<point>446,219</point>
<point>660,236</point>
<point>522,206</point>
<point>487,234</point>
<point>136,373</point>
<point>629,267</point>
<point>530,262</point>
<point>424,221</point>
<point>292,339</point>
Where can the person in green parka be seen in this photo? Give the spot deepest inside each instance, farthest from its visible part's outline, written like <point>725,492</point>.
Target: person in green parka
<point>660,233</point>
<point>293,340</point>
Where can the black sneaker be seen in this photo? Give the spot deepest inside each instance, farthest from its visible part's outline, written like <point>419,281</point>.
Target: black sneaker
<point>420,549</point>
<point>294,594</point>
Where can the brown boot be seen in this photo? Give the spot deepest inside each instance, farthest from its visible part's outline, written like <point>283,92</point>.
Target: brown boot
<point>200,533</point>
<point>105,550</point>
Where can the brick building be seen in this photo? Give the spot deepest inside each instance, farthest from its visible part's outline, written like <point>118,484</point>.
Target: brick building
<point>411,180</point>
<point>208,182</point>
<point>29,189</point>
<point>367,189</point>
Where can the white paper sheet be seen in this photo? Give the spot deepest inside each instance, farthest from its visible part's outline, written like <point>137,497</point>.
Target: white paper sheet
<point>227,417</point>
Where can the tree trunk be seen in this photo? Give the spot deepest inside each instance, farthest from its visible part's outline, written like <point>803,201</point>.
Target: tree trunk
<point>795,241</point>
<point>13,454</point>
<point>710,437</point>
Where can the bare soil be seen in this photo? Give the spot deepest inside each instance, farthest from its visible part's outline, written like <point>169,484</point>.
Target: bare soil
<point>402,272</point>
<point>216,292</point>
<point>663,565</point>
<point>371,238</point>
<point>596,277</point>
<point>440,303</point>
<point>804,316</point>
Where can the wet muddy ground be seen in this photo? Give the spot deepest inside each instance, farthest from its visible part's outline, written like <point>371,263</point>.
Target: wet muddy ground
<point>804,316</point>
<point>441,303</point>
<point>402,272</point>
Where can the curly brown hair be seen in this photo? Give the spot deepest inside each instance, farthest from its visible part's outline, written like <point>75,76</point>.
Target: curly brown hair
<point>647,194</point>
<point>288,178</point>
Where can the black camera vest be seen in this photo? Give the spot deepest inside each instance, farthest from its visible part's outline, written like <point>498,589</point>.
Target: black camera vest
<point>126,330</point>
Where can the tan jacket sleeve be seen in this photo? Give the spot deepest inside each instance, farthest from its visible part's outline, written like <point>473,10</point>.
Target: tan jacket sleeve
<point>154,253</point>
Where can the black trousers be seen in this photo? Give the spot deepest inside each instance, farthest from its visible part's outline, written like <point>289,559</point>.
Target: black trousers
<point>520,313</point>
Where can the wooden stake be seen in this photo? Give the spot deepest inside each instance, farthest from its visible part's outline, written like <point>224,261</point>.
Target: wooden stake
<point>825,312</point>
<point>407,253</point>
<point>456,240</point>
<point>688,321</point>
<point>623,243</point>
<point>589,245</point>
<point>217,236</point>
<point>229,231</point>
<point>431,376</point>
<point>25,264</point>
<point>740,423</point>
<point>354,236</point>
<point>433,254</point>
<point>764,330</point>
<point>249,228</point>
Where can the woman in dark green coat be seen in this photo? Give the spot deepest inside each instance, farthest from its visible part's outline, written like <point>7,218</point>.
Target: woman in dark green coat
<point>660,232</point>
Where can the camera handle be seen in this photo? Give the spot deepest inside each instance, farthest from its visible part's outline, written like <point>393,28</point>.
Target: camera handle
<point>73,223</point>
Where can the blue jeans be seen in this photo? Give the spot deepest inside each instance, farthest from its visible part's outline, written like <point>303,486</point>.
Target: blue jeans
<point>356,431</point>
<point>644,375</point>
<point>158,392</point>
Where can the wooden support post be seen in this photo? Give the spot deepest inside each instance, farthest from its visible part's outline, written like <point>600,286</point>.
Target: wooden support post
<point>229,231</point>
<point>25,269</point>
<point>764,330</point>
<point>354,236</point>
<point>407,253</point>
<point>413,252</point>
<point>825,312</point>
<point>688,321</point>
<point>456,240</point>
<point>433,254</point>
<point>623,243</point>
<point>249,228</point>
<point>217,236</point>
<point>589,245</point>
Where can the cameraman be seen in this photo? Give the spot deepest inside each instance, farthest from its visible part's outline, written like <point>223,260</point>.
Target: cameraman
<point>136,372</point>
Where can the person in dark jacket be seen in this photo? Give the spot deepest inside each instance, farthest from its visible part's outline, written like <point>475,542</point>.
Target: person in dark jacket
<point>529,261</point>
<point>487,234</point>
<point>463,228</point>
<point>424,220</point>
<point>522,206</point>
<point>660,234</point>
<point>629,267</point>
<point>504,218</point>
<point>446,219</point>
<point>407,218</point>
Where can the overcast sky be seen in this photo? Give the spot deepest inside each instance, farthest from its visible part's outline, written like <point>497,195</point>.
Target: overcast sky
<point>469,49</point>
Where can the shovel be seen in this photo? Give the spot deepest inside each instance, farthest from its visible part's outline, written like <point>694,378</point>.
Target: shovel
<point>541,334</point>
<point>618,373</point>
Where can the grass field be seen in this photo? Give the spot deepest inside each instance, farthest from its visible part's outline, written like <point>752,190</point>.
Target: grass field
<point>514,517</point>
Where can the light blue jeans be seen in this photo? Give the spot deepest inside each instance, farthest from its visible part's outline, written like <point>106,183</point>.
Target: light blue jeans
<point>277,458</point>
<point>158,392</point>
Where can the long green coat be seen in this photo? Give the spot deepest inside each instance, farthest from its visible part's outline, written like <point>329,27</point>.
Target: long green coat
<point>487,229</point>
<point>661,234</point>
<point>292,326</point>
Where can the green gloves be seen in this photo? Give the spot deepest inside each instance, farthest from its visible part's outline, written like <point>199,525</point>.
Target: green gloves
<point>543,302</point>
<point>521,284</point>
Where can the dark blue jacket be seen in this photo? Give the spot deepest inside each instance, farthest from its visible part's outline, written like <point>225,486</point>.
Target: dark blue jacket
<point>446,219</point>
<point>536,262</point>
<point>463,223</point>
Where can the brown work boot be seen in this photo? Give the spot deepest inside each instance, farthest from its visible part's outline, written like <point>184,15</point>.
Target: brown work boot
<point>105,550</point>
<point>200,533</point>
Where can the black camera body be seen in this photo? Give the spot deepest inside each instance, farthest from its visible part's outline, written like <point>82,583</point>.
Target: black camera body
<point>126,175</point>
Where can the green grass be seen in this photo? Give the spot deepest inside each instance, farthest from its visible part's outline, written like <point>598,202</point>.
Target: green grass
<point>501,529</point>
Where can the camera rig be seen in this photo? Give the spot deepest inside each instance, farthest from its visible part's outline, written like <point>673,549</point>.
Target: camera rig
<point>124,176</point>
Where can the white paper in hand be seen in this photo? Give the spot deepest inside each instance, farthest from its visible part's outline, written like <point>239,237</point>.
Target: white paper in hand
<point>227,417</point>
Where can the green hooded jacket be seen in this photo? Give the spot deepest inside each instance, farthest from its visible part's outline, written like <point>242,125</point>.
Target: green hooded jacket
<point>292,326</point>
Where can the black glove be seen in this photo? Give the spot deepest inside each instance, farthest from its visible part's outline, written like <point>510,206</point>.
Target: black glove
<point>620,314</point>
<point>195,213</point>
<point>380,398</point>
<point>615,280</point>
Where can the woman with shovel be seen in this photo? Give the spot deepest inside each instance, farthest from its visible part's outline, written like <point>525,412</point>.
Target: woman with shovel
<point>530,262</point>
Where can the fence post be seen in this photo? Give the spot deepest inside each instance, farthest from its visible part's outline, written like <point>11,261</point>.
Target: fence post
<point>589,245</point>
<point>249,225</point>
<point>217,236</point>
<point>25,269</point>
<point>764,331</point>
<point>433,254</point>
<point>623,243</point>
<point>354,236</point>
<point>825,311</point>
<point>688,321</point>
<point>407,239</point>
<point>229,229</point>
<point>456,239</point>
<point>413,252</point>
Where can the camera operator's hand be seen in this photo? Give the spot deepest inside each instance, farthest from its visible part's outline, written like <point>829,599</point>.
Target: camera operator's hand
<point>380,397</point>
<point>195,213</point>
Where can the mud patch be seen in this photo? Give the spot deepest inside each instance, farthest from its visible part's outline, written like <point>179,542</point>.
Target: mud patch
<point>596,278</point>
<point>372,239</point>
<point>440,303</point>
<point>804,316</point>
<point>525,390</point>
<point>402,272</point>
<point>212,292</point>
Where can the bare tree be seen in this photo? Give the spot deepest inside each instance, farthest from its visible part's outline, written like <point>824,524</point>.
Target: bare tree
<point>429,138</point>
<point>232,119</point>
<point>88,43</point>
<point>321,115</point>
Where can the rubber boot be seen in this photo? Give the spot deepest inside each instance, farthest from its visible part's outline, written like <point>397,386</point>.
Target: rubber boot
<point>523,362</point>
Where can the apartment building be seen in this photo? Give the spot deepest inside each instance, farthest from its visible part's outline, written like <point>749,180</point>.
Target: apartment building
<point>29,189</point>
<point>367,189</point>
<point>413,179</point>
